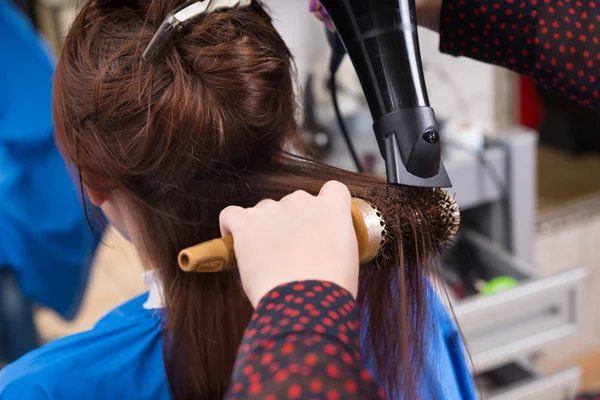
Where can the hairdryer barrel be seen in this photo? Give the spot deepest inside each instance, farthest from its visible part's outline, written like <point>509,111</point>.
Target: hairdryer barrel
<point>381,39</point>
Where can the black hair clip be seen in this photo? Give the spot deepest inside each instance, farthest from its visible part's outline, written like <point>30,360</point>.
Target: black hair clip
<point>178,18</point>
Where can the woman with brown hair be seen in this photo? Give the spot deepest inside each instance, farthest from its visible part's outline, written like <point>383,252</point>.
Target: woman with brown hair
<point>162,146</point>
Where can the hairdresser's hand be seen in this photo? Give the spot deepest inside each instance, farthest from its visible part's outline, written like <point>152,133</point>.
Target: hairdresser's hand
<point>428,13</point>
<point>301,237</point>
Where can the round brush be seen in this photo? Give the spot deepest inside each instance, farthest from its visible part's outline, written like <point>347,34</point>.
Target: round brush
<point>382,216</point>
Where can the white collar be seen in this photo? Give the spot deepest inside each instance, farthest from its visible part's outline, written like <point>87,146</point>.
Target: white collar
<point>155,290</point>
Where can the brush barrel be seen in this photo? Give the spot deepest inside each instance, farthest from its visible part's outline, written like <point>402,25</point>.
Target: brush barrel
<point>369,228</point>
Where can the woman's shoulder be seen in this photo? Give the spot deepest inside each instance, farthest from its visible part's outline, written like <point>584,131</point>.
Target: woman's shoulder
<point>446,366</point>
<point>121,357</point>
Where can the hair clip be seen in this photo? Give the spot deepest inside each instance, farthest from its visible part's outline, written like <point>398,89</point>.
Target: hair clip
<point>178,18</point>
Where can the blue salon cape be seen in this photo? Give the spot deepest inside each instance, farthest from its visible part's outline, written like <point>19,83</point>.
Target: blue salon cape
<point>44,237</point>
<point>121,358</point>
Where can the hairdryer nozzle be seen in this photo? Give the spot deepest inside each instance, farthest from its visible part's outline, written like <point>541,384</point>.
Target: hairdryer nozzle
<point>410,144</point>
<point>381,39</point>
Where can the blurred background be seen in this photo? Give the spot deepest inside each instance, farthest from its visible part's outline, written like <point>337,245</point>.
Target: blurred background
<point>522,271</point>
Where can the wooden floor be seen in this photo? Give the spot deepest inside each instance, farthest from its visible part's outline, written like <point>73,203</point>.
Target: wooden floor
<point>116,277</point>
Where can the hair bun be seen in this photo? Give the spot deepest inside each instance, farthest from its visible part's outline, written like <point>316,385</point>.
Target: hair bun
<point>153,11</point>
<point>110,5</point>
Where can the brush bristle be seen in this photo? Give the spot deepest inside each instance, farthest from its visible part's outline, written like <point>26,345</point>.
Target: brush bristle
<point>413,216</point>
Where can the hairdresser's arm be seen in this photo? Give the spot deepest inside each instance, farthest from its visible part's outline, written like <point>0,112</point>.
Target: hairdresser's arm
<point>298,261</point>
<point>556,42</point>
<point>303,343</point>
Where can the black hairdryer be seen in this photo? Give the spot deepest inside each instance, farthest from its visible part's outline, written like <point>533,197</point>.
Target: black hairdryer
<point>381,39</point>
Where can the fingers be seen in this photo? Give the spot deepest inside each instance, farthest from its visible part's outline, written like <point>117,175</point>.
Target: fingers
<point>329,25</point>
<point>265,202</point>
<point>319,11</point>
<point>319,16</point>
<point>230,218</point>
<point>338,191</point>
<point>297,195</point>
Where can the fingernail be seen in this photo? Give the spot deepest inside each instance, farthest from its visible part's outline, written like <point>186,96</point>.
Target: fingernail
<point>313,5</point>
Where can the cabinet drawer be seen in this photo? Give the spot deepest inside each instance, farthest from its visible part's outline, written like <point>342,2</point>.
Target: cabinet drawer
<point>517,382</point>
<point>518,322</point>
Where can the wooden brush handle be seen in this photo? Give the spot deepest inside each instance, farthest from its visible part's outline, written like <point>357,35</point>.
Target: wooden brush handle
<point>218,255</point>
<point>212,256</point>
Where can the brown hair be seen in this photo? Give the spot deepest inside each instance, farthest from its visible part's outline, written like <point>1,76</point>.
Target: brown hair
<point>204,127</point>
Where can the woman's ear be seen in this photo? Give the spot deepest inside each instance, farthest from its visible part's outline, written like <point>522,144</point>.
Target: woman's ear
<point>97,197</point>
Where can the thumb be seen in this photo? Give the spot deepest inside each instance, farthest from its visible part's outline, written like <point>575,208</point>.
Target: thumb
<point>230,219</point>
<point>338,191</point>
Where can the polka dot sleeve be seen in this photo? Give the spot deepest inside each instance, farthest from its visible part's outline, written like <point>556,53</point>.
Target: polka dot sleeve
<point>556,42</point>
<point>303,343</point>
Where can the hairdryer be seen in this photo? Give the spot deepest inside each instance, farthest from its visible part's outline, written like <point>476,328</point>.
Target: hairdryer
<point>380,36</point>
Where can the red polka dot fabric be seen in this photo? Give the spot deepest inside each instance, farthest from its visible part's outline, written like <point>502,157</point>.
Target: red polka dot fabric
<point>556,42</point>
<point>303,343</point>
